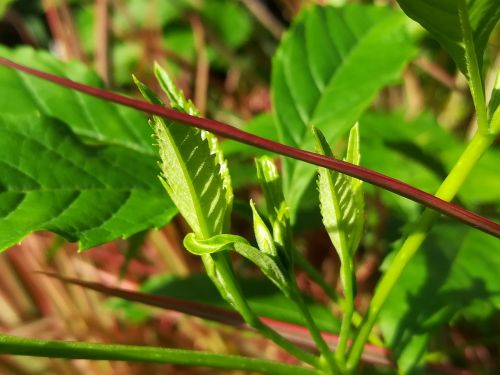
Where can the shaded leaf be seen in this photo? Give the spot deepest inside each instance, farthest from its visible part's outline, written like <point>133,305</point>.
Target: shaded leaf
<point>441,19</point>
<point>327,70</point>
<point>454,268</point>
<point>49,180</point>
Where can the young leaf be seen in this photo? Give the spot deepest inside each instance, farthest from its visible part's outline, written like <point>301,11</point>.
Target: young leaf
<point>192,171</point>
<point>49,180</point>
<point>341,198</point>
<point>321,76</point>
<point>277,208</point>
<point>441,19</point>
<point>222,242</point>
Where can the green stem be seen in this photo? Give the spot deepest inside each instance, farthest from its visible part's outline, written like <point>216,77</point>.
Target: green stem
<point>315,276</point>
<point>222,275</point>
<point>323,347</point>
<point>111,352</point>
<point>475,81</point>
<point>448,189</point>
<point>346,270</point>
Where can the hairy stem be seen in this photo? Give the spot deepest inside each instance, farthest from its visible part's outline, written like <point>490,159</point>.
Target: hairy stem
<point>448,189</point>
<point>82,350</point>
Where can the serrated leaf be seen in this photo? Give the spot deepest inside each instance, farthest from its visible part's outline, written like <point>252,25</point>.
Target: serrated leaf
<point>441,19</point>
<point>192,171</point>
<point>327,70</point>
<point>94,120</point>
<point>454,268</point>
<point>341,199</point>
<point>49,180</point>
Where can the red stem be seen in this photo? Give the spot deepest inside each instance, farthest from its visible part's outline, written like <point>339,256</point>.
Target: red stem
<point>227,131</point>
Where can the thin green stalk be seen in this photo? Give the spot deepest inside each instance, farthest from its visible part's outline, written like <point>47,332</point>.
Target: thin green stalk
<point>223,278</point>
<point>475,81</point>
<point>323,347</point>
<point>82,350</point>
<point>448,189</point>
<point>315,276</point>
<point>347,272</point>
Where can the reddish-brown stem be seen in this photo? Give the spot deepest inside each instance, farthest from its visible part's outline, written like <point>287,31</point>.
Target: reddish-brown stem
<point>227,131</point>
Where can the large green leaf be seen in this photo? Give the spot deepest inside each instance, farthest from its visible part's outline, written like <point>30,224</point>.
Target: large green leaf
<point>327,70</point>
<point>50,180</point>
<point>92,119</point>
<point>441,19</point>
<point>455,268</point>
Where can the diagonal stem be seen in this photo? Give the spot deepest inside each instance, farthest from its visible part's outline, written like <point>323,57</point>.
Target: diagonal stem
<point>231,132</point>
<point>447,191</point>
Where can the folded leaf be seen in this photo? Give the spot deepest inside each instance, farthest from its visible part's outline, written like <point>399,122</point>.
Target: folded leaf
<point>341,199</point>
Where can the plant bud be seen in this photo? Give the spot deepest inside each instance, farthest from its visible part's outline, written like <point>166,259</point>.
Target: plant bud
<point>263,236</point>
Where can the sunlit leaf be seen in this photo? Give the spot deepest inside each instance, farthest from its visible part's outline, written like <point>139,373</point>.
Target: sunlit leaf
<point>50,180</point>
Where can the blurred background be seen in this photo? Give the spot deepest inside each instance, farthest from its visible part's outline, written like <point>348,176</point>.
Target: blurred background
<point>220,53</point>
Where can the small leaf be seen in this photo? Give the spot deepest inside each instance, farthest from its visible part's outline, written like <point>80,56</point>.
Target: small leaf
<point>341,198</point>
<point>220,242</point>
<point>224,242</point>
<point>194,172</point>
<point>263,236</point>
<point>441,19</point>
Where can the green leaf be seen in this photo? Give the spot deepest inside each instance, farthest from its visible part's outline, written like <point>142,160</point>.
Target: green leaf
<point>261,125</point>
<point>265,240</point>
<point>494,113</point>
<point>442,20</point>
<point>94,120</point>
<point>220,242</point>
<point>455,268</point>
<point>328,68</point>
<point>194,172</point>
<point>229,20</point>
<point>4,6</point>
<point>49,180</point>
<point>223,242</point>
<point>341,199</point>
